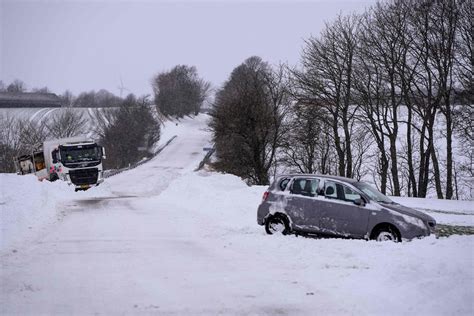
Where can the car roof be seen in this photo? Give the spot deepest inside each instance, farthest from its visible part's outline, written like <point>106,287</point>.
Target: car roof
<point>326,176</point>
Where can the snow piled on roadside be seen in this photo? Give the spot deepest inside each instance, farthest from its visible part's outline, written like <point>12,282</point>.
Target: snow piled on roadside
<point>294,275</point>
<point>199,250</point>
<point>28,207</point>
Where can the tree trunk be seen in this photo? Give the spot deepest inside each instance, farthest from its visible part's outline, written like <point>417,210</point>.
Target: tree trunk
<point>347,135</point>
<point>411,170</point>
<point>449,153</point>
<point>434,158</point>
<point>424,164</point>
<point>383,173</point>
<point>340,152</point>
<point>394,168</point>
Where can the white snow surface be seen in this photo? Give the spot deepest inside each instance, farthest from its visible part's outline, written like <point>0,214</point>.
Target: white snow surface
<point>452,206</point>
<point>163,239</point>
<point>450,212</point>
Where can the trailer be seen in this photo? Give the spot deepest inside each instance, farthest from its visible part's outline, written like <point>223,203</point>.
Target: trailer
<point>76,160</point>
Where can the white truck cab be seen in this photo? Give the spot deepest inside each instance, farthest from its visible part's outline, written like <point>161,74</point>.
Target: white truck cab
<point>76,160</point>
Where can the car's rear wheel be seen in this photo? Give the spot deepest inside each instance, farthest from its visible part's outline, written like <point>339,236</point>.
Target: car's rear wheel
<point>386,233</point>
<point>277,225</point>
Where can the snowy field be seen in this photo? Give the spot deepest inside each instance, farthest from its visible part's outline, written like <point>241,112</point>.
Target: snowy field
<point>449,212</point>
<point>163,239</point>
<point>42,114</point>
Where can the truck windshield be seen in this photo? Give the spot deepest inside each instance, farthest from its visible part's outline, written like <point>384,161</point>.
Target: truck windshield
<point>80,153</point>
<point>372,192</point>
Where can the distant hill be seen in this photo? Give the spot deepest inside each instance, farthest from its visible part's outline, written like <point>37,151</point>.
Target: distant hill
<point>29,100</point>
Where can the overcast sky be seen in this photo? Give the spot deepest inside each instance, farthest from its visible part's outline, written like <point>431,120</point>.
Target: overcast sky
<point>84,46</point>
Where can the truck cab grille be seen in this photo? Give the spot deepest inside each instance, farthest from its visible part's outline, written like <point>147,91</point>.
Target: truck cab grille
<point>84,176</point>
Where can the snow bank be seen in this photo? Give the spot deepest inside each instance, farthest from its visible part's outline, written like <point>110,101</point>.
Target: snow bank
<point>294,275</point>
<point>29,206</point>
<point>219,201</point>
<point>196,249</point>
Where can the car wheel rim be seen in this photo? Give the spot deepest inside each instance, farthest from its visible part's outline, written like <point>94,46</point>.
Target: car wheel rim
<point>277,227</point>
<point>386,236</point>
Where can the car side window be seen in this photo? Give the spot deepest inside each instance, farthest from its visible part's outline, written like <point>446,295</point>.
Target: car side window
<point>334,190</point>
<point>283,183</point>
<point>330,189</point>
<point>305,186</point>
<point>350,195</point>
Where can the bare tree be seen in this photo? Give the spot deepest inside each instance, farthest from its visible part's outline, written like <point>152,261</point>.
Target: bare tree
<point>180,91</point>
<point>464,51</point>
<point>463,112</point>
<point>327,79</point>
<point>382,53</point>
<point>305,145</point>
<point>18,137</point>
<point>32,134</point>
<point>129,132</point>
<point>67,123</point>
<point>67,98</point>
<point>10,144</point>
<point>432,30</point>
<point>442,51</point>
<point>16,86</point>
<point>247,120</point>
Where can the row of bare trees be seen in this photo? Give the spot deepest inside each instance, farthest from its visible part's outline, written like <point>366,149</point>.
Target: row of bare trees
<point>398,70</point>
<point>22,136</point>
<point>129,132</point>
<point>386,94</point>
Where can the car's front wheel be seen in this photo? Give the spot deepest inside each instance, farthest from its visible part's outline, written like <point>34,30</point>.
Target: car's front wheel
<point>386,233</point>
<point>277,225</point>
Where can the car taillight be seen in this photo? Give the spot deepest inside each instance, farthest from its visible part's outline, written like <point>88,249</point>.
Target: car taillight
<point>265,196</point>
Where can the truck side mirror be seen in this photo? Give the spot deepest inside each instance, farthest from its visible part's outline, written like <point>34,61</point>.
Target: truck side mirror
<point>103,152</point>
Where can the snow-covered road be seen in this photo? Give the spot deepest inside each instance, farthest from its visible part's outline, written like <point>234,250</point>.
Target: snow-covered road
<point>90,260</point>
<point>161,239</point>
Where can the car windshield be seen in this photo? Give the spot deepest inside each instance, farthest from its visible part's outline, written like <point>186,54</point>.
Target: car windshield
<point>372,193</point>
<point>82,153</point>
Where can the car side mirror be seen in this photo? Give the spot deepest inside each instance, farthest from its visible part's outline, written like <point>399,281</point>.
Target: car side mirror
<point>359,202</point>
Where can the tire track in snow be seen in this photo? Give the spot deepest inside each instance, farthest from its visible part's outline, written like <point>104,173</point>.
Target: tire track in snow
<point>45,115</point>
<point>37,113</point>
